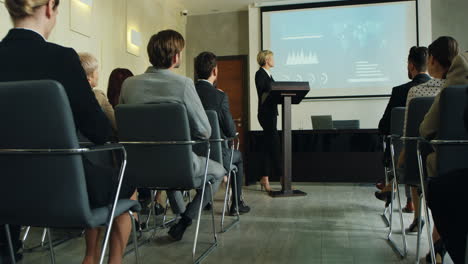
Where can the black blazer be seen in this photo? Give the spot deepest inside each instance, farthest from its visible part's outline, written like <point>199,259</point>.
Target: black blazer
<point>263,84</point>
<point>398,99</point>
<point>25,55</point>
<point>217,100</point>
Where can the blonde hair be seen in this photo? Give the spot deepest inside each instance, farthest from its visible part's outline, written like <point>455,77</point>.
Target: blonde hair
<point>88,62</point>
<point>22,8</point>
<point>263,56</point>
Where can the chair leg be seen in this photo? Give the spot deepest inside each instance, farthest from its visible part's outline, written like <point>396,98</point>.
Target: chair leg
<point>226,194</point>
<point>424,199</point>
<point>418,243</point>
<point>51,246</point>
<point>26,234</point>
<point>43,238</point>
<point>10,244</point>
<point>215,238</point>
<point>215,243</point>
<point>237,220</point>
<point>395,186</point>
<point>135,238</point>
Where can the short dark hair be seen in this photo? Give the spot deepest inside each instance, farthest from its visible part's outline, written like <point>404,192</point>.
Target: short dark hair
<point>444,50</point>
<point>205,62</point>
<point>418,56</point>
<point>163,46</point>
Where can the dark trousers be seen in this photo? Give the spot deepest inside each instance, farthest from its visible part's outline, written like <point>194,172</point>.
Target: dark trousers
<point>272,162</point>
<point>447,200</point>
<point>236,160</point>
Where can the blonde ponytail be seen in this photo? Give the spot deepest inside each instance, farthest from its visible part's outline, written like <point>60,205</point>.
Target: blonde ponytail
<point>23,8</point>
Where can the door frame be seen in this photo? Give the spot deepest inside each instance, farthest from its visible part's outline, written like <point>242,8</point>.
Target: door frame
<point>246,97</point>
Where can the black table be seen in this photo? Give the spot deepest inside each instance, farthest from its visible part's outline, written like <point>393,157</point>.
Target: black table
<point>324,156</point>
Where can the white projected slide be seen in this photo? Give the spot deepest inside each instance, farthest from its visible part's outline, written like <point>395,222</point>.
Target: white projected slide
<point>342,50</point>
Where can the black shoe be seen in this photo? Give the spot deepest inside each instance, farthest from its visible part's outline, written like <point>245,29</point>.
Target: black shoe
<point>413,228</point>
<point>243,209</point>
<point>383,196</point>
<point>440,251</point>
<point>208,207</point>
<point>177,231</point>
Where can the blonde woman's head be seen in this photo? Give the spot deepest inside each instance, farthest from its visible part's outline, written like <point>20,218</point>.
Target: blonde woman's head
<point>40,14</point>
<point>265,58</point>
<point>90,66</point>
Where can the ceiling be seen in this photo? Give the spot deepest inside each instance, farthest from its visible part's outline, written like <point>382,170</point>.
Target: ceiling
<point>202,7</point>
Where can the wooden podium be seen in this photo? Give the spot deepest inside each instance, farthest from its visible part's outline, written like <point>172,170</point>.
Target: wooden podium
<point>287,93</point>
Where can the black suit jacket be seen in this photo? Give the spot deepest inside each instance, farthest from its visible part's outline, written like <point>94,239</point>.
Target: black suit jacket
<point>263,83</point>
<point>25,55</point>
<point>398,99</point>
<point>214,99</point>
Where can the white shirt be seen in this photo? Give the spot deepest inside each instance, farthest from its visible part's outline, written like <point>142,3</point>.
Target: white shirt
<point>269,74</point>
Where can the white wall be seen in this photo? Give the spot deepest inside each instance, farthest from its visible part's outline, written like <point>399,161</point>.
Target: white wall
<point>368,111</point>
<point>108,37</point>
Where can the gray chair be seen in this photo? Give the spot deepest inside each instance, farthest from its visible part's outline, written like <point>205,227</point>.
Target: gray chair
<point>417,110</point>
<point>396,129</point>
<point>216,154</point>
<point>451,144</point>
<point>41,159</point>
<point>159,145</point>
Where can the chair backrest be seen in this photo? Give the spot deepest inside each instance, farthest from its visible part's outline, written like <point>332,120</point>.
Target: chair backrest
<point>452,106</point>
<point>216,152</point>
<point>417,109</point>
<point>346,124</point>
<point>156,166</point>
<point>322,122</point>
<point>397,120</point>
<point>40,190</point>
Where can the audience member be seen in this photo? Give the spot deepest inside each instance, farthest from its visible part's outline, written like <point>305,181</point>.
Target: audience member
<point>441,54</point>
<point>116,79</point>
<point>159,84</point>
<point>90,66</point>
<point>214,99</point>
<point>456,75</point>
<point>417,72</point>
<point>25,54</point>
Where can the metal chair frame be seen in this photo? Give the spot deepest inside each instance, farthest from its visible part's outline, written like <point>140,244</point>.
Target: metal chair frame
<point>396,192</point>
<point>79,151</point>
<point>213,244</point>
<point>234,145</point>
<point>422,177</point>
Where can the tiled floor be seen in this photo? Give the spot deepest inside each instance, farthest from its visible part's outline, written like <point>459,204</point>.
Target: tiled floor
<point>334,223</point>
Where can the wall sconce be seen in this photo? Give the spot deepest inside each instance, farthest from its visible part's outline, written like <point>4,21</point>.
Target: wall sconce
<point>135,38</point>
<point>87,2</point>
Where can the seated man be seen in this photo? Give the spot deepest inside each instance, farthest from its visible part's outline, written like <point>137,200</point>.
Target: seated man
<point>217,100</point>
<point>160,84</point>
<point>417,72</point>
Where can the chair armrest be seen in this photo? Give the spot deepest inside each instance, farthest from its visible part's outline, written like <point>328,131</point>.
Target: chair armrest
<point>412,138</point>
<point>448,142</point>
<point>105,147</point>
<point>394,136</point>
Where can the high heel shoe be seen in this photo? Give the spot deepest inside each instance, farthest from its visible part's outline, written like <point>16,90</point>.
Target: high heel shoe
<point>265,185</point>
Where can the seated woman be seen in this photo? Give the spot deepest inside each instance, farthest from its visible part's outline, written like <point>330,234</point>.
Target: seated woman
<point>25,54</point>
<point>90,66</point>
